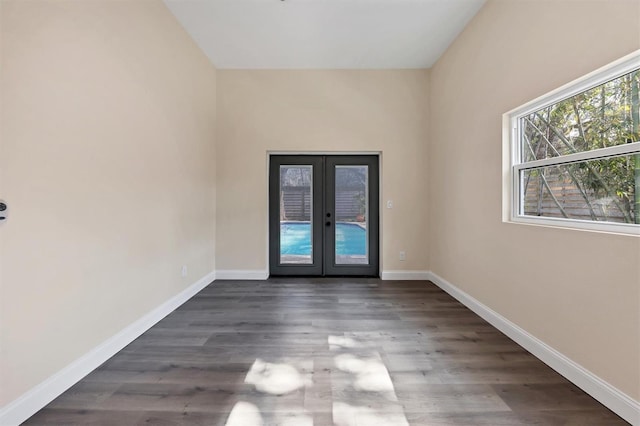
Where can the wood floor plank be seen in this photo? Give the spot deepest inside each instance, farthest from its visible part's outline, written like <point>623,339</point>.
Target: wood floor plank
<point>319,352</point>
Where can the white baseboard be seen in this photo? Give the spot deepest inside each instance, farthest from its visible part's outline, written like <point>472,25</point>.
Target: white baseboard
<point>35,399</point>
<point>616,400</point>
<point>405,275</point>
<point>239,274</point>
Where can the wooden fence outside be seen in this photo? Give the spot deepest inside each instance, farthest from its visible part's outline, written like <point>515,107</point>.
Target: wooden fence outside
<point>295,203</point>
<point>571,198</point>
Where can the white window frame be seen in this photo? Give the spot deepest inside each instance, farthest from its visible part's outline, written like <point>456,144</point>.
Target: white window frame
<point>512,164</point>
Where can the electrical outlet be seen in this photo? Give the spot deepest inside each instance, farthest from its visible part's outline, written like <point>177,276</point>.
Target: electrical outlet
<point>184,270</point>
<point>403,255</point>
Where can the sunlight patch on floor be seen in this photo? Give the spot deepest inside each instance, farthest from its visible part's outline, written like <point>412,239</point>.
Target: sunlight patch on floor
<point>359,390</point>
<point>244,414</point>
<point>351,415</point>
<point>275,378</point>
<point>342,342</point>
<point>279,394</point>
<point>367,396</point>
<point>370,374</point>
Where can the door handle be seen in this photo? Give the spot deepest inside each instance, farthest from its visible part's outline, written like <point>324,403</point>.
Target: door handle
<point>328,223</point>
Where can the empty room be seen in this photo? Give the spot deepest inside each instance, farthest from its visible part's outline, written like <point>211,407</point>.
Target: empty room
<point>320,212</point>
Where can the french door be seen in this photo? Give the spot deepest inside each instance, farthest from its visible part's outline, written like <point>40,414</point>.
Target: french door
<point>323,215</point>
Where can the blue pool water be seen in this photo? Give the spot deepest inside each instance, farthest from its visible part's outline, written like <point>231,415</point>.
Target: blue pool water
<point>295,239</point>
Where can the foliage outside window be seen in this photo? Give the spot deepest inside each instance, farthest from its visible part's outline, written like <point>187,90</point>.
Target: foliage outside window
<point>575,153</point>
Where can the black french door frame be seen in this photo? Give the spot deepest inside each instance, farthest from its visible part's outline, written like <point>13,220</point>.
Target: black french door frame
<point>331,266</point>
<point>323,208</point>
<point>317,201</point>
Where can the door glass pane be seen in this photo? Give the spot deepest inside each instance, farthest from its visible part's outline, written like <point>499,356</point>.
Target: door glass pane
<point>351,215</point>
<point>296,221</point>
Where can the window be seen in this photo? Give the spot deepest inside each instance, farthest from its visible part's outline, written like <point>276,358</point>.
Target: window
<point>574,154</point>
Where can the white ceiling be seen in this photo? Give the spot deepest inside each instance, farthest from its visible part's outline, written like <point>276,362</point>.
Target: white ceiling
<point>356,34</point>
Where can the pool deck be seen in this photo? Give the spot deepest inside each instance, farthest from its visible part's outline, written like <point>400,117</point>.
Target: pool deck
<point>362,225</point>
<point>293,259</point>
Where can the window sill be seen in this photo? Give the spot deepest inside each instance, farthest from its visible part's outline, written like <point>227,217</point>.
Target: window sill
<point>579,225</point>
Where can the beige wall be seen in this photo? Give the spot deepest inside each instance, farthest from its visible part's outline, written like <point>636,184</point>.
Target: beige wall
<point>107,162</point>
<point>577,291</point>
<point>261,111</point>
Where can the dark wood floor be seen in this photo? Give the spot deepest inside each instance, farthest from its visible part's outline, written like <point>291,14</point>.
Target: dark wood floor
<point>304,352</point>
